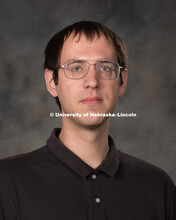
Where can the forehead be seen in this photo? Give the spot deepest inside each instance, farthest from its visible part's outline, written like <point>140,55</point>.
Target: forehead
<point>81,47</point>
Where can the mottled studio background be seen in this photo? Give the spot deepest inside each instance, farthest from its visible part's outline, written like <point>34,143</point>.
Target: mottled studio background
<point>149,31</point>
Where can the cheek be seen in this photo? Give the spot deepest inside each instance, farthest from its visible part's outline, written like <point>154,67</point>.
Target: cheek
<point>114,95</point>
<point>67,91</point>
<point>114,90</point>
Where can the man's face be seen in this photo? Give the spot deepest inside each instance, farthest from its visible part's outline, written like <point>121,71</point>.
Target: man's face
<point>90,94</point>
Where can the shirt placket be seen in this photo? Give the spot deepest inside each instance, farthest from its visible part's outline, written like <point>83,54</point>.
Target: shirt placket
<point>97,196</point>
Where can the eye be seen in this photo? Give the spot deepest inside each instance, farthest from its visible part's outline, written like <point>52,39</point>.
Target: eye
<point>106,68</point>
<point>75,67</point>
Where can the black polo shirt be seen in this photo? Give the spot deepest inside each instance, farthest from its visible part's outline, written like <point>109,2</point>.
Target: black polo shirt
<point>52,183</point>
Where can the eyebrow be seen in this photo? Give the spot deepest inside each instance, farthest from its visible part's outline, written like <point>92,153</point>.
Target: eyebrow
<point>101,59</point>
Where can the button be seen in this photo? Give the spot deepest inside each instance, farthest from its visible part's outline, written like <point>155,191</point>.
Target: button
<point>97,200</point>
<point>94,176</point>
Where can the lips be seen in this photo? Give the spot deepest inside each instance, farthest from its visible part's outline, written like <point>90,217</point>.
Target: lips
<point>92,100</point>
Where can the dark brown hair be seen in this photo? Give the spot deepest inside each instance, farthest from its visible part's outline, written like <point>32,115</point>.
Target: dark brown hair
<point>90,29</point>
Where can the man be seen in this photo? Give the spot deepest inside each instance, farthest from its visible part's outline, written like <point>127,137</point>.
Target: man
<point>80,174</point>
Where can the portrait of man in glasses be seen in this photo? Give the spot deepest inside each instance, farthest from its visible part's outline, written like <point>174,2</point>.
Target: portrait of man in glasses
<point>80,174</point>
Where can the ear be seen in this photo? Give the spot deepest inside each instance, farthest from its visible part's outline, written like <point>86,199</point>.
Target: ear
<point>50,84</point>
<point>124,78</point>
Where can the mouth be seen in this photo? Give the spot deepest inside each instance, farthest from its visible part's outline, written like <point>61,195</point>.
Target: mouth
<point>92,100</point>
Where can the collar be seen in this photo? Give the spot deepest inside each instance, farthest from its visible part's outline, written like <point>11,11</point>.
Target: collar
<point>108,166</point>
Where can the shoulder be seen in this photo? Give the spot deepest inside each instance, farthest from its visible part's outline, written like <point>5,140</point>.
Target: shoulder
<point>147,182</point>
<point>21,163</point>
<point>143,171</point>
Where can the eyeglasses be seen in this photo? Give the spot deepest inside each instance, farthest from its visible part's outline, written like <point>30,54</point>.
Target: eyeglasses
<point>77,69</point>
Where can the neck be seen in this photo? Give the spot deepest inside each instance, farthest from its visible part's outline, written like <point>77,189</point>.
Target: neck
<point>90,145</point>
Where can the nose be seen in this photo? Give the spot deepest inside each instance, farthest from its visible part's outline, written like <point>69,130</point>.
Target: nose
<point>91,80</point>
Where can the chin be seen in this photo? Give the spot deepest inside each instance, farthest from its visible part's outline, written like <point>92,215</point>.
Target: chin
<point>92,123</point>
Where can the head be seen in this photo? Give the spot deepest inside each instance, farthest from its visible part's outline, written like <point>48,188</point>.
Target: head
<point>89,29</point>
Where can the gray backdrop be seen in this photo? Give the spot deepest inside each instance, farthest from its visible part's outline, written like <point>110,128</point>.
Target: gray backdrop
<point>149,31</point>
